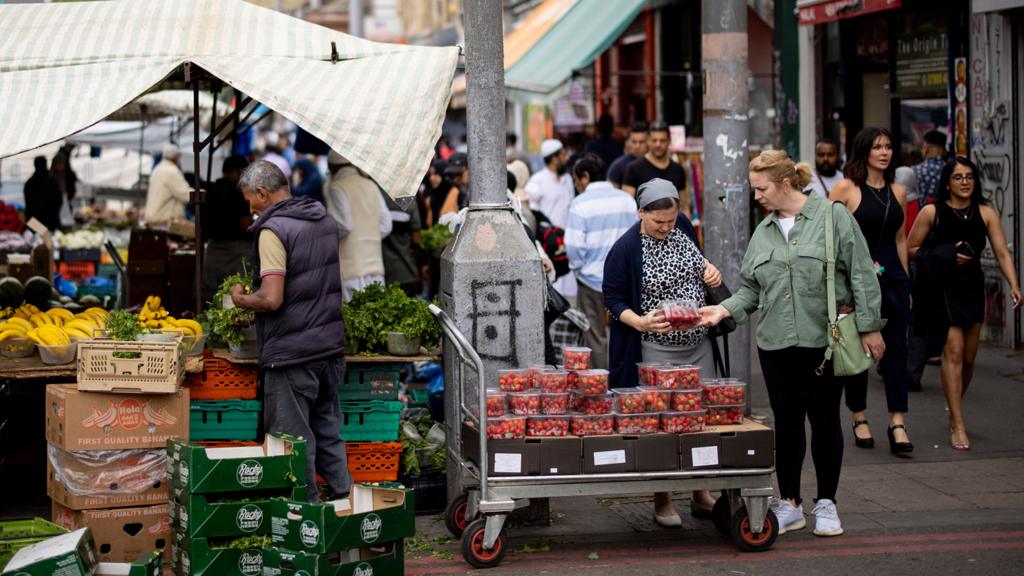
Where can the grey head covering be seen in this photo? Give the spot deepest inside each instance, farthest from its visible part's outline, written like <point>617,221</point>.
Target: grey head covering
<point>653,190</point>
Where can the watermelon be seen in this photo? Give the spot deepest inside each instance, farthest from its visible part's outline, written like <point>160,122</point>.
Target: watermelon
<point>12,293</point>
<point>38,291</point>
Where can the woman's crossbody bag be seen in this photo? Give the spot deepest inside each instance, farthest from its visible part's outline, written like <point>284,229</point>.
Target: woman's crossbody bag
<point>844,347</point>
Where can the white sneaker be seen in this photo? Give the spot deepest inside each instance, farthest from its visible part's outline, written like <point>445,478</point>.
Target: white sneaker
<point>790,517</point>
<point>826,519</point>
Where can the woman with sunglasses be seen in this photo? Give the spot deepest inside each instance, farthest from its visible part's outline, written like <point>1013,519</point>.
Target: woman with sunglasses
<point>946,242</point>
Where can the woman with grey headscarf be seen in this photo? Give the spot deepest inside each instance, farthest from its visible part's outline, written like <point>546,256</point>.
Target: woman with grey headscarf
<point>657,259</point>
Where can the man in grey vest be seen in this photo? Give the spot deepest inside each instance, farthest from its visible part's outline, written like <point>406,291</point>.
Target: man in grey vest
<point>297,300</point>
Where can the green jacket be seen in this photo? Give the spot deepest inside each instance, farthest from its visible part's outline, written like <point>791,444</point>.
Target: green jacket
<point>786,280</point>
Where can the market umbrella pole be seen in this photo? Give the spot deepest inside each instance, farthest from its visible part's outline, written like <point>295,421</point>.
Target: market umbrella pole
<point>198,195</point>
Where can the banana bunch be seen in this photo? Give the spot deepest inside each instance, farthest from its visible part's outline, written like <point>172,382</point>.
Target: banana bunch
<point>54,327</point>
<point>154,316</point>
<point>6,313</point>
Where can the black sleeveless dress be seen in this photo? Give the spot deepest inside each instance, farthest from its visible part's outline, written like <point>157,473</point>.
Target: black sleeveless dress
<point>964,286</point>
<point>880,217</point>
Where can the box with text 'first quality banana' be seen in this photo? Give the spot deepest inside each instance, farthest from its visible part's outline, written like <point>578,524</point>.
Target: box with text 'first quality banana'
<point>79,421</point>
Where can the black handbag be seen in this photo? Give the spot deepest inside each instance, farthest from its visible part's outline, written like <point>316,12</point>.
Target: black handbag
<point>712,297</point>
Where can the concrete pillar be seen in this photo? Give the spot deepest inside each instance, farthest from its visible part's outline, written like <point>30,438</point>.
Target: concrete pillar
<point>492,282</point>
<point>808,94</point>
<point>727,198</point>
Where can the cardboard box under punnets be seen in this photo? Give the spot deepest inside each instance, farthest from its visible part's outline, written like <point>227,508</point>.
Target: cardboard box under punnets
<point>506,457</point>
<point>746,445</point>
<point>606,454</point>
<point>200,516</point>
<point>120,534</point>
<point>657,452</point>
<point>700,451</point>
<point>279,463</point>
<point>370,515</point>
<point>71,554</point>
<point>559,456</point>
<point>98,421</point>
<point>369,561</point>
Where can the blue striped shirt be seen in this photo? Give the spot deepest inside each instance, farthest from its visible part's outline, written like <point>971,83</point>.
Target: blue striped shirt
<point>597,218</point>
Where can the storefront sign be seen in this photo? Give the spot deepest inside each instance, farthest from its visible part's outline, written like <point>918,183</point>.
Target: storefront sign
<point>921,63</point>
<point>810,13</point>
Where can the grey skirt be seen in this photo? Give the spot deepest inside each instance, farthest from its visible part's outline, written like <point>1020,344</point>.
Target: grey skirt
<point>699,355</point>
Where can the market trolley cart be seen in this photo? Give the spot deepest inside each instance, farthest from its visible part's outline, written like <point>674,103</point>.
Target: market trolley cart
<point>478,514</point>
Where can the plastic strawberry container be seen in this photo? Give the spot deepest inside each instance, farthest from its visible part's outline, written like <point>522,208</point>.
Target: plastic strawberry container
<point>639,423</point>
<point>676,422</point>
<point>576,357</point>
<point>724,414</point>
<point>547,425</point>
<point>594,381</point>
<point>646,372</point>
<point>555,381</point>
<point>506,427</point>
<point>495,403</point>
<point>725,391</point>
<point>596,403</point>
<point>573,380</point>
<point>524,403</point>
<point>593,424</point>
<point>535,372</point>
<point>656,399</point>
<point>629,400</point>
<point>687,377</point>
<point>686,400</point>
<point>554,403</point>
<point>681,314</point>
<point>513,380</point>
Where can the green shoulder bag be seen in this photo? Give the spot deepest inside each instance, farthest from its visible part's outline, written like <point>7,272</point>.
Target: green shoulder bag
<point>844,347</point>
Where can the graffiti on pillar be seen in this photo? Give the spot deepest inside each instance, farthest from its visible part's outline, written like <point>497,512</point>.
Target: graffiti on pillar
<point>995,177</point>
<point>494,317</point>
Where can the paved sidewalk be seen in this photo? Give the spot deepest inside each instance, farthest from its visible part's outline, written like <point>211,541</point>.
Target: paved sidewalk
<point>936,490</point>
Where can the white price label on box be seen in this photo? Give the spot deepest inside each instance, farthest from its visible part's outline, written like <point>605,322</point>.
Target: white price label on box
<point>704,456</point>
<point>508,463</point>
<point>610,457</point>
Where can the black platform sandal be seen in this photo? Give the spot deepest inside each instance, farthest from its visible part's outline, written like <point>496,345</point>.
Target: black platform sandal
<point>862,442</point>
<point>898,447</point>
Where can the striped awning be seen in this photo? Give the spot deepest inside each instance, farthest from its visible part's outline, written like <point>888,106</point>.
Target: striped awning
<point>66,66</point>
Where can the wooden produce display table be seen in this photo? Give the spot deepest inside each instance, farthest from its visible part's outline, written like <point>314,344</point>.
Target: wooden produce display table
<point>32,368</point>
<point>225,354</point>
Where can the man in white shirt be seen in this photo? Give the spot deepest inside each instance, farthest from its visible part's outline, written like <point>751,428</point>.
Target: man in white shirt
<point>826,164</point>
<point>354,201</point>
<point>551,191</point>
<point>168,190</point>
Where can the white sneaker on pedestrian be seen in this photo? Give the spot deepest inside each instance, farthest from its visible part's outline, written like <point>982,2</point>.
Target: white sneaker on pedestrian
<point>826,519</point>
<point>790,517</point>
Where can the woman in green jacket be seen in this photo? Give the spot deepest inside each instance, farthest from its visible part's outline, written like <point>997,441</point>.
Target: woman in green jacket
<point>783,276</point>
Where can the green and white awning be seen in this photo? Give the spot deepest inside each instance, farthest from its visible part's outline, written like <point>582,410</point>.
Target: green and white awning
<point>66,66</point>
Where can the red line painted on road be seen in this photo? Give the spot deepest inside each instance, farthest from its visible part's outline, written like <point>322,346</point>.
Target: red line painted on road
<point>667,556</point>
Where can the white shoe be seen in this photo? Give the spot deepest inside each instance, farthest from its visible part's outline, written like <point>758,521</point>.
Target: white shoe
<point>826,519</point>
<point>671,521</point>
<point>790,517</point>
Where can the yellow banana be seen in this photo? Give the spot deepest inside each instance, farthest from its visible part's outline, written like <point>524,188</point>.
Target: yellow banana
<point>83,325</point>
<point>77,333</point>
<point>11,334</point>
<point>8,325</point>
<point>97,310</point>
<point>154,303</point>
<point>23,323</point>
<point>196,327</point>
<point>38,320</point>
<point>152,323</point>
<point>52,335</point>
<point>34,336</point>
<point>60,312</point>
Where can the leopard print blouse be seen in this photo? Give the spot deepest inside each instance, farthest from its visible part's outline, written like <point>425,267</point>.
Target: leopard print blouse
<point>673,269</point>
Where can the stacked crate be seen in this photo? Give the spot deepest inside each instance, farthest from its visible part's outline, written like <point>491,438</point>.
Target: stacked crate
<point>106,463</point>
<point>360,535</point>
<point>221,499</point>
<point>224,405</point>
<point>370,420</point>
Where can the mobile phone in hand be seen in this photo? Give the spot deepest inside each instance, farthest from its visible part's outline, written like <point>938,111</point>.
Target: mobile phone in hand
<point>964,248</point>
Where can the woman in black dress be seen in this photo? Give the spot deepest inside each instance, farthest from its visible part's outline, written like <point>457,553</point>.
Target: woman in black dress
<point>878,204</point>
<point>946,243</point>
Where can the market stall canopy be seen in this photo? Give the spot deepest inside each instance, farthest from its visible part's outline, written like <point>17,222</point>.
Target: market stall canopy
<point>545,71</point>
<point>170,103</point>
<point>66,66</point>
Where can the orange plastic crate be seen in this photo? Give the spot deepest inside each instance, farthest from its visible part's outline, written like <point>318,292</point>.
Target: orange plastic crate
<point>222,380</point>
<point>373,461</point>
<point>76,270</point>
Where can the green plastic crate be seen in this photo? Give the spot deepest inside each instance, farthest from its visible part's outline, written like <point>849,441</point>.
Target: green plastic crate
<point>372,421</point>
<point>370,381</point>
<point>16,534</point>
<point>223,419</point>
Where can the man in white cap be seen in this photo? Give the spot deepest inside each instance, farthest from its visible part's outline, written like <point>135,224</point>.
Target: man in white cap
<point>168,190</point>
<point>551,192</point>
<point>356,204</point>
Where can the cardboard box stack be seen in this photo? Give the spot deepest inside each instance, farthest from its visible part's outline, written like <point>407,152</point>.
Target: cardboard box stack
<point>220,508</point>
<point>106,464</point>
<point>360,535</point>
<point>561,421</point>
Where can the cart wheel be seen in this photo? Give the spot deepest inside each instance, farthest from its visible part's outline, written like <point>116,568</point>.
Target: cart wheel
<point>473,546</point>
<point>455,519</point>
<point>747,540</point>
<point>721,515</point>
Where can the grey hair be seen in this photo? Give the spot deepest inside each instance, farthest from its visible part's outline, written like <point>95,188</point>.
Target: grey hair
<point>263,174</point>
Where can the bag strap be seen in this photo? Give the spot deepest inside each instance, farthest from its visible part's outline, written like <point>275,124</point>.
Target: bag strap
<point>830,284</point>
<point>721,360</point>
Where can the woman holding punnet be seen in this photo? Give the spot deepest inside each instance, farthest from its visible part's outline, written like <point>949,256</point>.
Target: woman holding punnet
<point>784,275</point>
<point>949,288</point>
<point>878,204</point>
